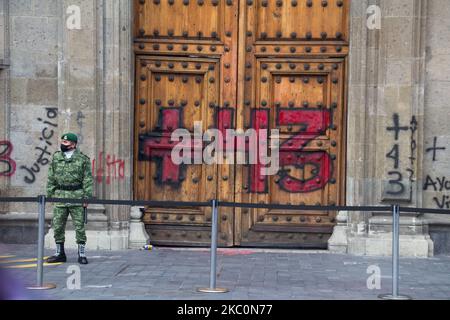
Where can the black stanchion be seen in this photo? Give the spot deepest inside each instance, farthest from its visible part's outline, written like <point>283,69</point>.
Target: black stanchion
<point>213,272</point>
<point>40,259</point>
<point>395,257</point>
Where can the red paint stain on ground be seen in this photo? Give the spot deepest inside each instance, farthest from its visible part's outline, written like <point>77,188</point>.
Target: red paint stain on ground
<point>235,252</point>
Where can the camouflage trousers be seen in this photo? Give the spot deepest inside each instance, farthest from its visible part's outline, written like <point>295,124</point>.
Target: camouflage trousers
<point>60,215</point>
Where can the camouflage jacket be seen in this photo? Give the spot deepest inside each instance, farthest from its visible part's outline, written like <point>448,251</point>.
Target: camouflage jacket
<point>75,171</point>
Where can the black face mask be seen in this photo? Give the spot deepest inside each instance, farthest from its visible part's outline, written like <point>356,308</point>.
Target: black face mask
<point>65,148</point>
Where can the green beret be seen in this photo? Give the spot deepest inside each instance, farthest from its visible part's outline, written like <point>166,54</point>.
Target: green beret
<point>70,137</point>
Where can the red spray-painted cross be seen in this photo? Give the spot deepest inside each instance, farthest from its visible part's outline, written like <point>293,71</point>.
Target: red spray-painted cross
<point>157,146</point>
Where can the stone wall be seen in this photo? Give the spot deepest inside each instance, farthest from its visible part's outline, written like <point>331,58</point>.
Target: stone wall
<point>32,97</point>
<point>57,82</point>
<point>28,104</point>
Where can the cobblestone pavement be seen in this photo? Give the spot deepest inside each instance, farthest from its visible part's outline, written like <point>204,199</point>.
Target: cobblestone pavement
<point>176,273</point>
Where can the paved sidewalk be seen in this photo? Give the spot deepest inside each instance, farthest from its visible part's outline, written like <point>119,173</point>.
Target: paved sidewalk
<point>172,273</point>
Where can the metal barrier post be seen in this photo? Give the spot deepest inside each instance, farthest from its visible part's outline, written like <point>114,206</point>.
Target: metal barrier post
<point>395,257</point>
<point>40,259</point>
<point>213,272</point>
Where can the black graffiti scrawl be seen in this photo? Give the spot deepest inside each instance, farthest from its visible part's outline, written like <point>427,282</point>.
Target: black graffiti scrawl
<point>438,184</point>
<point>44,152</point>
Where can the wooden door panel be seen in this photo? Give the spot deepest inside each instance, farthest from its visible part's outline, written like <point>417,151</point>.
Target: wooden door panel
<point>300,20</point>
<point>205,28</point>
<point>294,67</point>
<point>186,62</point>
<point>302,98</point>
<point>185,19</point>
<point>174,93</point>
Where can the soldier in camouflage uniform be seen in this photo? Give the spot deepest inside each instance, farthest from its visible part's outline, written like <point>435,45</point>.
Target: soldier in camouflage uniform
<point>69,176</point>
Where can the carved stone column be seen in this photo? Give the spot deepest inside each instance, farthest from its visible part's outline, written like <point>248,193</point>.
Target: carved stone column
<point>115,131</point>
<point>386,113</point>
<point>95,99</point>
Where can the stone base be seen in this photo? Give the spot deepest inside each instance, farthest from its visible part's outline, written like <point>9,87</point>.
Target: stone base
<point>439,227</point>
<point>414,238</point>
<point>100,236</point>
<point>96,240</point>
<point>410,246</point>
<point>20,227</point>
<point>357,245</point>
<point>338,243</point>
<point>441,239</point>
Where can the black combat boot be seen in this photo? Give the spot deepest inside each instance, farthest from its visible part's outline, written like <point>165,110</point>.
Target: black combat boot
<point>59,256</point>
<point>82,254</point>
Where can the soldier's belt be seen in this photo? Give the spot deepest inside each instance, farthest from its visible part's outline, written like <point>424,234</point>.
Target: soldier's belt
<point>70,188</point>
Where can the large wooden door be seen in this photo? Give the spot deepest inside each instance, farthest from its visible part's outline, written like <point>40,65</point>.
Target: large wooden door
<point>257,64</point>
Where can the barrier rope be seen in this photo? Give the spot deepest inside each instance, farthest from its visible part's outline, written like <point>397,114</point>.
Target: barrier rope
<point>166,204</point>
